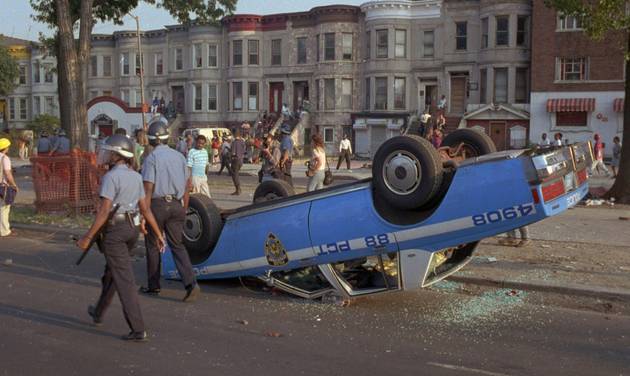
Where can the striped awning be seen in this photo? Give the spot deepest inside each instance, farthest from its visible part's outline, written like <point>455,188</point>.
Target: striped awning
<point>571,105</point>
<point>618,105</point>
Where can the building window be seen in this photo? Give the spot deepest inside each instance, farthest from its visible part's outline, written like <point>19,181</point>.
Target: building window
<point>518,137</point>
<point>124,96</point>
<point>93,65</point>
<point>212,55</point>
<point>23,109</point>
<point>179,59</point>
<point>484,32</point>
<point>37,105</point>
<point>197,97</point>
<point>212,97</point>
<point>237,96</point>
<point>36,74</point>
<point>252,52</point>
<point>500,85</point>
<point>329,46</point>
<point>380,99</point>
<point>48,73</point>
<point>137,98</point>
<point>503,31</point>
<point>346,43</point>
<point>276,52</point>
<point>329,135</point>
<point>400,92</point>
<point>107,66</point>
<point>22,75</point>
<point>572,69</point>
<point>428,43</point>
<point>107,93</point>
<point>522,31</point>
<point>139,63</point>
<point>197,55</point>
<point>346,94</point>
<point>461,32</point>
<point>93,94</point>
<point>237,52</point>
<point>329,94</point>
<point>367,94</point>
<point>11,108</point>
<point>381,43</point>
<point>572,119</point>
<point>252,104</point>
<point>49,103</point>
<point>301,50</point>
<point>569,22</point>
<point>317,94</point>
<point>368,45</point>
<point>521,94</point>
<point>317,47</point>
<point>159,64</point>
<point>483,85</point>
<point>401,43</point>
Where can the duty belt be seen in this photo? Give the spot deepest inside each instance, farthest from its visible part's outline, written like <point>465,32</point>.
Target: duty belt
<point>127,217</point>
<point>167,198</point>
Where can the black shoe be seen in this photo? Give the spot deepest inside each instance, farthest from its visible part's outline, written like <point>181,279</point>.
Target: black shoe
<point>148,291</point>
<point>96,320</point>
<point>135,337</point>
<point>192,293</point>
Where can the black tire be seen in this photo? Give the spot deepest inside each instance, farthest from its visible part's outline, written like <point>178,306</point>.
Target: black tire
<point>476,143</point>
<point>272,190</point>
<point>202,228</point>
<point>406,172</point>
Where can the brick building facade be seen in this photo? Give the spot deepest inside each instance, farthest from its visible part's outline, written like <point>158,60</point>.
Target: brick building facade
<point>576,81</point>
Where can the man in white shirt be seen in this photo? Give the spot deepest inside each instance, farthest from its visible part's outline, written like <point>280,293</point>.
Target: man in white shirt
<point>544,140</point>
<point>425,118</point>
<point>345,152</point>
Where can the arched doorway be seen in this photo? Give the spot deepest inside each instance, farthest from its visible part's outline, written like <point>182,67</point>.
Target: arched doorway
<point>102,124</point>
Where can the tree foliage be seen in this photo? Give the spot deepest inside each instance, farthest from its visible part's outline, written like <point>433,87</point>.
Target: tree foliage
<point>9,72</point>
<point>43,122</point>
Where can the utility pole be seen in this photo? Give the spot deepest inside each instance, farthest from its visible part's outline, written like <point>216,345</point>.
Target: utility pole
<point>144,124</point>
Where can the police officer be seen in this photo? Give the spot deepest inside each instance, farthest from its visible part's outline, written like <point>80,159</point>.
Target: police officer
<point>166,181</point>
<point>61,145</point>
<point>122,186</point>
<point>43,144</point>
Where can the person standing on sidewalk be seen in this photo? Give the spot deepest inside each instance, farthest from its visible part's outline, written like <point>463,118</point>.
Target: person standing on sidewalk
<point>598,149</point>
<point>317,164</point>
<point>7,183</point>
<point>345,152</point>
<point>226,151</point>
<point>616,157</point>
<point>198,164</point>
<point>513,241</point>
<point>120,186</point>
<point>238,153</point>
<point>166,182</point>
<point>286,150</point>
<point>43,144</point>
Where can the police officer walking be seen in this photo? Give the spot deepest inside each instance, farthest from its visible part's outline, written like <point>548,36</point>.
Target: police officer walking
<point>166,181</point>
<point>123,187</point>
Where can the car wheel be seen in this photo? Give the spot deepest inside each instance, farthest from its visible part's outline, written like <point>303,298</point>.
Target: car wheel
<point>406,171</point>
<point>272,190</point>
<point>202,228</point>
<point>476,143</point>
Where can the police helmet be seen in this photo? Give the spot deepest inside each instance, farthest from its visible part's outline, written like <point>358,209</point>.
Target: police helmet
<point>62,132</point>
<point>285,129</point>
<point>158,129</point>
<point>57,131</point>
<point>115,144</point>
<point>44,134</point>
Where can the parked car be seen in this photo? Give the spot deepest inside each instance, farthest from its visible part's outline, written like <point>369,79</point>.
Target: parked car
<point>209,133</point>
<point>418,220</point>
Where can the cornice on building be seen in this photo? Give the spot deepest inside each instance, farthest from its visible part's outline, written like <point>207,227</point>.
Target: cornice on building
<point>401,9</point>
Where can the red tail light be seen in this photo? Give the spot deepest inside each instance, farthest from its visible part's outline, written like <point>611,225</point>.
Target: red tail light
<point>581,176</point>
<point>553,190</point>
<point>535,196</point>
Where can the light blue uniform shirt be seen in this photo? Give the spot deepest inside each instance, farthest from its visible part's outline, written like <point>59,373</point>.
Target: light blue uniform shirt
<point>123,186</point>
<point>198,160</point>
<point>167,170</point>
<point>62,145</point>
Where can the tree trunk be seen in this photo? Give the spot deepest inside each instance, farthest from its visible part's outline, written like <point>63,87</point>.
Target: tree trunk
<point>62,87</point>
<point>621,188</point>
<point>85,38</point>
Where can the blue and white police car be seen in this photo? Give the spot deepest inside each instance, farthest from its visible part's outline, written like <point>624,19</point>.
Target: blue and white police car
<point>418,219</point>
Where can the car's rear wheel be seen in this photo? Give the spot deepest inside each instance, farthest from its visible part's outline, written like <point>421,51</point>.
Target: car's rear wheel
<point>202,228</point>
<point>475,143</point>
<point>406,171</point>
<point>272,190</point>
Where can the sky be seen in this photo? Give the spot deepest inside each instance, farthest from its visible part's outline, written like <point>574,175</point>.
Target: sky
<point>15,17</point>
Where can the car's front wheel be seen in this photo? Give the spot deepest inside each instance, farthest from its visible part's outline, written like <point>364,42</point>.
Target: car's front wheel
<point>406,172</point>
<point>272,190</point>
<point>202,228</point>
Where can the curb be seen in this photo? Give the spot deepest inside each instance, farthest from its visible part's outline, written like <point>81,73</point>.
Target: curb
<point>558,288</point>
<point>55,230</point>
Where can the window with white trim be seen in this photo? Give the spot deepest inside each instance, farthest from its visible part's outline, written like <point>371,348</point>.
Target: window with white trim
<point>428,39</point>
<point>461,35</point>
<point>237,96</point>
<point>197,55</point>
<point>571,69</point>
<point>37,105</point>
<point>329,135</point>
<point>49,105</point>
<point>380,95</point>
<point>401,43</point>
<point>11,108</point>
<point>197,97</point>
<point>36,74</point>
<point>346,94</point>
<point>276,51</point>
<point>93,66</point>
<point>301,50</point>
<point>124,63</point>
<point>252,96</point>
<point>48,73</point>
<point>518,137</point>
<point>500,85</point>
<point>484,32</point>
<point>400,93</point>
<point>212,55</point>
<point>107,66</point>
<point>565,22</point>
<point>237,52</point>
<point>23,109</point>
<point>329,94</point>
<point>212,97</point>
<point>159,64</point>
<point>124,96</point>
<point>346,45</point>
<point>22,75</point>
<point>329,46</point>
<point>381,43</point>
<point>252,52</point>
<point>522,31</point>
<point>178,56</point>
<point>139,63</point>
<point>503,31</point>
<point>521,92</point>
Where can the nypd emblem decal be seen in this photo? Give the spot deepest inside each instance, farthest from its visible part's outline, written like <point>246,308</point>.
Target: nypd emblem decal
<point>275,252</point>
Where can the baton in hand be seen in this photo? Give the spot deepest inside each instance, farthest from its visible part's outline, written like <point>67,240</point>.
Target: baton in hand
<point>97,238</point>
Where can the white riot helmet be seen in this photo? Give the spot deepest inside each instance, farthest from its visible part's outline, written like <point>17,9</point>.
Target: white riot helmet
<point>116,144</point>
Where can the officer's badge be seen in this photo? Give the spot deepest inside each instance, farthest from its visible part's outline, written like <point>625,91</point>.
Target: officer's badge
<point>275,252</point>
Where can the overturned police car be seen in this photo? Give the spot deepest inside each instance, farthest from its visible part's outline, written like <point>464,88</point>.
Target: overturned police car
<point>418,219</point>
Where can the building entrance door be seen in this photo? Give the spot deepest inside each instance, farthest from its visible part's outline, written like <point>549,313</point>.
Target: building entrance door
<point>179,99</point>
<point>275,96</point>
<point>458,95</point>
<point>498,134</point>
<point>300,93</point>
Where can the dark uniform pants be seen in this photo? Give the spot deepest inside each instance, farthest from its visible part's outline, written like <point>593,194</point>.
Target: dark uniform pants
<point>117,244</point>
<point>345,154</point>
<point>236,165</point>
<point>225,163</point>
<point>170,218</point>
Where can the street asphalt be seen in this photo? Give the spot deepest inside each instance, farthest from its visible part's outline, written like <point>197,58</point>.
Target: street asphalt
<point>449,329</point>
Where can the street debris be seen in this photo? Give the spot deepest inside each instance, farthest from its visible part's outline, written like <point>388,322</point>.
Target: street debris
<point>624,218</point>
<point>273,334</point>
<point>243,322</point>
<point>599,202</point>
<point>545,246</point>
<point>8,262</point>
